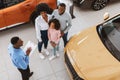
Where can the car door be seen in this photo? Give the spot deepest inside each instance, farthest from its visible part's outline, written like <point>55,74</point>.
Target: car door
<point>2,19</point>
<point>12,13</point>
<point>27,7</point>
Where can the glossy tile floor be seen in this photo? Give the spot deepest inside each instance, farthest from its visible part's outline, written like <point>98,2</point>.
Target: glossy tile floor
<point>45,69</point>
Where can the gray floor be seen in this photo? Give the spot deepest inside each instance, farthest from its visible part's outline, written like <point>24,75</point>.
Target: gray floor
<point>45,69</point>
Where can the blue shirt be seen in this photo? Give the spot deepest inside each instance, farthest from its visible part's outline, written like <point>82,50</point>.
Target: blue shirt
<point>18,57</point>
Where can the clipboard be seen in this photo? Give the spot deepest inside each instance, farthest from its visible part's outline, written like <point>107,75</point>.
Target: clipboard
<point>32,45</point>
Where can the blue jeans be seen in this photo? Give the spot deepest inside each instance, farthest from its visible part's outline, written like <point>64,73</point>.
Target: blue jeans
<point>56,48</point>
<point>65,39</point>
<point>44,37</point>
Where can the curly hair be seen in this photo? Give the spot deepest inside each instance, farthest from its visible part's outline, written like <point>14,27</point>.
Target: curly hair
<point>56,23</point>
<point>14,40</point>
<point>43,7</point>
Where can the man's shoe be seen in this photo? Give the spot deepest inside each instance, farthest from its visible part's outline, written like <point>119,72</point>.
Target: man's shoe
<point>30,74</point>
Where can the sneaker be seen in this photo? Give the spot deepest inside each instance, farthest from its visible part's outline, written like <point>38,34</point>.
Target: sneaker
<point>47,52</point>
<point>57,54</point>
<point>30,74</point>
<point>52,57</point>
<point>41,56</point>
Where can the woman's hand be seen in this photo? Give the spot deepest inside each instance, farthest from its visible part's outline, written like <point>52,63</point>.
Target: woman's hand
<point>53,44</point>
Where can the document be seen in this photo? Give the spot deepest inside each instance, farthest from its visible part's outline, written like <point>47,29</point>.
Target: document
<point>28,45</point>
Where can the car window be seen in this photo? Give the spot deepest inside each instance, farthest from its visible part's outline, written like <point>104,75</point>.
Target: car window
<point>110,35</point>
<point>8,3</point>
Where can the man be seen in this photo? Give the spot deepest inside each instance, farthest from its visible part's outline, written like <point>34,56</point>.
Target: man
<point>65,20</point>
<point>20,58</point>
<point>69,6</point>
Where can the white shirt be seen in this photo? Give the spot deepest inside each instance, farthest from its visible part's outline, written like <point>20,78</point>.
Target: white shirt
<point>41,25</point>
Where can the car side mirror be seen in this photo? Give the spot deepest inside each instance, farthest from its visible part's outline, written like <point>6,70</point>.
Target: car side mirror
<point>106,16</point>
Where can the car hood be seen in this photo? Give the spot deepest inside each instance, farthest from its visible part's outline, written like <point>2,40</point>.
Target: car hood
<point>91,58</point>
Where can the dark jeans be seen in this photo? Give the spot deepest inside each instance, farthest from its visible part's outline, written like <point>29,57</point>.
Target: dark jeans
<point>44,37</point>
<point>65,39</point>
<point>25,73</point>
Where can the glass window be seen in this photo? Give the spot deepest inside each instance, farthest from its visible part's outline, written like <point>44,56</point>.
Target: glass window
<point>8,3</point>
<point>110,35</point>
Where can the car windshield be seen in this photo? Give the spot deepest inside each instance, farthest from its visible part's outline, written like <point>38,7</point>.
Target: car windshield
<point>109,33</point>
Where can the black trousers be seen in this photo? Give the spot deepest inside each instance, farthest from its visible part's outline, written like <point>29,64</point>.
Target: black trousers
<point>25,73</point>
<point>65,38</point>
<point>44,37</point>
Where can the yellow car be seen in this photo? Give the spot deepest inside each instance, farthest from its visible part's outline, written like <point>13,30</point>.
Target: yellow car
<point>94,53</point>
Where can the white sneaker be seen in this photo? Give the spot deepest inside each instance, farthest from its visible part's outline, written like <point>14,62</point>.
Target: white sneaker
<point>57,54</point>
<point>47,52</point>
<point>52,57</point>
<point>41,56</point>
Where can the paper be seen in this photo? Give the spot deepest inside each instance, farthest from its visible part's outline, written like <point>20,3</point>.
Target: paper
<point>32,45</point>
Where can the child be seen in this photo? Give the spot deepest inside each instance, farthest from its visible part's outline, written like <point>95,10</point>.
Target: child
<point>54,35</point>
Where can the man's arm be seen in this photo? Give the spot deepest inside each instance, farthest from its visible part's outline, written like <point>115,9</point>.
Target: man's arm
<point>68,23</point>
<point>22,62</point>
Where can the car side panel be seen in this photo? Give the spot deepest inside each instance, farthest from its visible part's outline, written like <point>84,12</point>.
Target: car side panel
<point>27,8</point>
<point>2,20</point>
<point>13,15</point>
<point>21,12</point>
